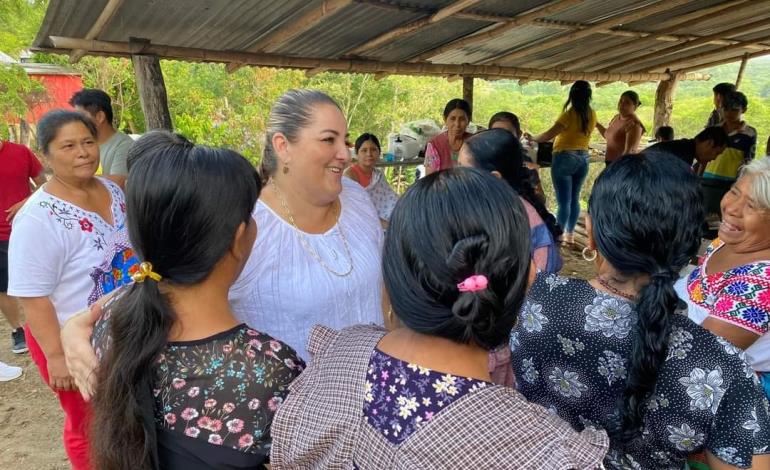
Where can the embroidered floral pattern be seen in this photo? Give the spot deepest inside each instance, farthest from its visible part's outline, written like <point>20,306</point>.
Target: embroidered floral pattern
<point>400,397</point>
<point>740,295</point>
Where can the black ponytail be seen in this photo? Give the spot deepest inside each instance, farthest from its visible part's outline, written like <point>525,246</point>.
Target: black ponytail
<point>657,301</point>
<point>447,227</point>
<point>498,150</point>
<point>646,214</point>
<point>580,100</point>
<point>174,223</point>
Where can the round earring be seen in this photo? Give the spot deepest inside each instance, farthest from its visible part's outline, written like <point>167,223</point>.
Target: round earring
<point>585,254</point>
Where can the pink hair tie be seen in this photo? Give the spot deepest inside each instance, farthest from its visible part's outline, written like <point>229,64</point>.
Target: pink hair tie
<point>474,283</point>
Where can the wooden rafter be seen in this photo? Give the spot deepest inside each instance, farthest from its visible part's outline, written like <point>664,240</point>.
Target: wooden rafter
<point>499,29</point>
<point>280,36</point>
<point>569,25</point>
<point>63,44</point>
<point>723,61</point>
<point>633,46</point>
<point>638,14</point>
<point>413,26</point>
<point>96,29</point>
<point>638,60</point>
<point>672,64</point>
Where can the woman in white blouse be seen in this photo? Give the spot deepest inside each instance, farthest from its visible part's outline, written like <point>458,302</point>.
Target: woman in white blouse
<point>317,254</point>
<point>316,259</point>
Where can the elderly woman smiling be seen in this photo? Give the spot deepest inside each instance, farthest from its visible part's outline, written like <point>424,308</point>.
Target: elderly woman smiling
<point>729,292</point>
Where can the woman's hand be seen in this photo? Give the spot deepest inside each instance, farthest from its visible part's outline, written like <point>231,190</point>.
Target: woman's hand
<point>59,377</point>
<point>78,352</point>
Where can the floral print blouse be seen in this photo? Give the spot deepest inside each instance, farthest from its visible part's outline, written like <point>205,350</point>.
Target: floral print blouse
<point>400,397</point>
<point>571,353</point>
<point>214,398</point>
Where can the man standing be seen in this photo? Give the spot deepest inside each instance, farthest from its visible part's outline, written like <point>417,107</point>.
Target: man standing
<point>113,144</point>
<point>720,91</point>
<point>721,173</point>
<point>18,165</point>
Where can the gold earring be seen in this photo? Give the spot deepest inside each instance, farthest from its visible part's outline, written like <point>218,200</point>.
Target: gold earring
<point>285,169</point>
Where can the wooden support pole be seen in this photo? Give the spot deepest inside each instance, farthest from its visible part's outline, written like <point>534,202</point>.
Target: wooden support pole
<point>152,91</point>
<point>664,101</point>
<point>468,90</point>
<point>742,69</point>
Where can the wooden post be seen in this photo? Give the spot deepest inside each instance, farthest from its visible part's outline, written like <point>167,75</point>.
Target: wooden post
<point>152,91</point>
<point>742,69</point>
<point>468,90</point>
<point>664,102</point>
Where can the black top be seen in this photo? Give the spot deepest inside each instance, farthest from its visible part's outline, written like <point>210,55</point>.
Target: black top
<point>571,354</point>
<point>684,149</point>
<point>213,399</point>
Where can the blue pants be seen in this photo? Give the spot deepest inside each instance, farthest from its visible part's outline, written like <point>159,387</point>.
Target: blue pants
<point>568,173</point>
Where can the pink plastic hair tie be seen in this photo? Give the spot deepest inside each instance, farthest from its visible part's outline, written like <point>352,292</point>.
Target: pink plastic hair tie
<point>474,283</point>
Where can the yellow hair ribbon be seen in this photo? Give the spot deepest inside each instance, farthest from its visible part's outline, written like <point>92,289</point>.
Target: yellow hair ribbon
<point>145,271</point>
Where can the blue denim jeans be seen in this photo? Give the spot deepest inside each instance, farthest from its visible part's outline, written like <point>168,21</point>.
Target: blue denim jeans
<point>568,173</point>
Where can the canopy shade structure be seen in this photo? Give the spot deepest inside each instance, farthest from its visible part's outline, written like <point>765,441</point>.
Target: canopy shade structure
<point>604,41</point>
<point>629,40</point>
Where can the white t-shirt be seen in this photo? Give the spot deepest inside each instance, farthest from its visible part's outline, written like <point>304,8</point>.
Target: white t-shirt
<point>68,254</point>
<point>283,291</point>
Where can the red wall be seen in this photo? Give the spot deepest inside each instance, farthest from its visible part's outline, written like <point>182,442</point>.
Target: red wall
<point>60,89</point>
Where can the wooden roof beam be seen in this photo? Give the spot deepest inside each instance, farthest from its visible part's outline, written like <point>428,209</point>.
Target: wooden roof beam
<point>346,66</point>
<point>281,35</point>
<point>309,73</point>
<point>638,14</point>
<point>671,64</point>
<point>667,33</point>
<point>499,29</point>
<point>640,59</point>
<point>729,60</point>
<point>410,28</point>
<point>108,12</point>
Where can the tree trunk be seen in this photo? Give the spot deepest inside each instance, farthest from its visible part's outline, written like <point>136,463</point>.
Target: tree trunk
<point>25,136</point>
<point>152,92</point>
<point>468,90</point>
<point>664,102</point>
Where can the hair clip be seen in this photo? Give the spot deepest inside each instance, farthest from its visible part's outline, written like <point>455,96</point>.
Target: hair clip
<point>474,283</point>
<point>145,271</point>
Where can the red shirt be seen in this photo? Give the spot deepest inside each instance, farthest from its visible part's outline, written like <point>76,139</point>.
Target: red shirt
<point>17,165</point>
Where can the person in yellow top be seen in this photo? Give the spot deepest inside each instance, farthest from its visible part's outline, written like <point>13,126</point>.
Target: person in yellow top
<point>572,132</point>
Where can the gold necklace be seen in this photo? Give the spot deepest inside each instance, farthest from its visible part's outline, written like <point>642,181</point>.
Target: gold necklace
<point>305,245</point>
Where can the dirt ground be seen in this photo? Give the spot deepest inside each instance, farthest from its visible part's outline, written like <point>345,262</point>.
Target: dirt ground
<point>31,420</point>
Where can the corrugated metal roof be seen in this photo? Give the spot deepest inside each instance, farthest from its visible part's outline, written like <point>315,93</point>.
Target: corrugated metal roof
<point>237,25</point>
